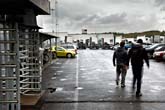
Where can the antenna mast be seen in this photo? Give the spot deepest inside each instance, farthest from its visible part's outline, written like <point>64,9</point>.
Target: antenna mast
<point>56,16</point>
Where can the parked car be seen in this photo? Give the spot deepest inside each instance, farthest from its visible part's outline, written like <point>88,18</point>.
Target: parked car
<point>70,47</point>
<point>128,46</point>
<point>62,52</point>
<point>116,46</point>
<point>152,48</point>
<point>94,46</point>
<point>160,48</point>
<point>164,57</point>
<point>146,45</point>
<point>81,45</point>
<point>159,55</point>
<point>106,46</point>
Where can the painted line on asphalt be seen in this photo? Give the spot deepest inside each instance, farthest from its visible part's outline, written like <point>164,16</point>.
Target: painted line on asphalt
<point>106,101</point>
<point>77,84</point>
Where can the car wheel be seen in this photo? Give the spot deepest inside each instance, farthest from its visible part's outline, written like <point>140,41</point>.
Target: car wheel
<point>46,58</point>
<point>69,55</point>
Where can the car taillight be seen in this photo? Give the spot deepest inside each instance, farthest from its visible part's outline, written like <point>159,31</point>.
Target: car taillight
<point>161,54</point>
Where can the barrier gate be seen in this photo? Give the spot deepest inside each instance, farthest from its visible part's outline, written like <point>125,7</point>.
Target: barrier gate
<point>20,67</point>
<point>9,67</point>
<point>30,66</point>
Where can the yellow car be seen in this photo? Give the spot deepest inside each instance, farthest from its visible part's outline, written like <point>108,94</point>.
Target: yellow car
<point>62,52</point>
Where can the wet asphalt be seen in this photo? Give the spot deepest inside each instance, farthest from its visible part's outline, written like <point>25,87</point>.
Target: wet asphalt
<point>87,82</point>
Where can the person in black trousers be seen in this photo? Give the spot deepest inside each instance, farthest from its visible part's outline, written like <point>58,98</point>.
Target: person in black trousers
<point>137,54</point>
<point>120,60</point>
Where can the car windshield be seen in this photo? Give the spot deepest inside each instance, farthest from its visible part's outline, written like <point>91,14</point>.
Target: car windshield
<point>68,47</point>
<point>161,48</point>
<point>60,49</point>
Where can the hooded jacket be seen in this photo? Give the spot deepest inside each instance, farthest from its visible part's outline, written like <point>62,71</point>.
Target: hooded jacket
<point>137,54</point>
<point>120,56</point>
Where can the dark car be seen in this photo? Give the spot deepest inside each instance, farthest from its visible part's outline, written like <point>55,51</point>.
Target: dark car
<point>106,46</point>
<point>94,46</point>
<point>152,48</point>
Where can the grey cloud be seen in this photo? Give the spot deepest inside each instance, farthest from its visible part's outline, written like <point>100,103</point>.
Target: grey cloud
<point>90,18</point>
<point>116,1</point>
<point>162,8</point>
<point>97,19</point>
<point>74,11</point>
<point>114,18</point>
<point>102,15</point>
<point>159,2</point>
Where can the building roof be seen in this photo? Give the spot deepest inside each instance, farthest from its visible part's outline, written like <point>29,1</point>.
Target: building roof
<point>41,7</point>
<point>46,36</point>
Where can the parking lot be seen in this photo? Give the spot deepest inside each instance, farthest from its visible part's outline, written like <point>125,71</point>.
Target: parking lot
<point>88,82</point>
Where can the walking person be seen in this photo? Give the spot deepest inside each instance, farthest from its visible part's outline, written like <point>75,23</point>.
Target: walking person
<point>120,59</point>
<point>137,54</point>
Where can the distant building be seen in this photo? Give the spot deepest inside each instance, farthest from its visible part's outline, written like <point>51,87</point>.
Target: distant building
<point>144,38</point>
<point>84,31</point>
<point>94,37</point>
<point>118,38</point>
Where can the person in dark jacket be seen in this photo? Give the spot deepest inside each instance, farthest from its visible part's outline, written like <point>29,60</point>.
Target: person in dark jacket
<point>137,54</point>
<point>120,59</point>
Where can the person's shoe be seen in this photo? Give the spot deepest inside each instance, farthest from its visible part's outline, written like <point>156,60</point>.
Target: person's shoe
<point>122,85</point>
<point>138,94</point>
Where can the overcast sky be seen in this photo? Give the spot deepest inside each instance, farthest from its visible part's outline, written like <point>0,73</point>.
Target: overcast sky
<point>105,16</point>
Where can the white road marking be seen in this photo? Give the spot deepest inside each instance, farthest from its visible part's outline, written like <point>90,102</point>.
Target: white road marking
<point>63,79</point>
<point>77,84</point>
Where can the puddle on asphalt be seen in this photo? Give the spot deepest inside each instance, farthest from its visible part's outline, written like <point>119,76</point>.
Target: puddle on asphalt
<point>63,79</point>
<point>111,91</point>
<point>111,84</point>
<point>55,67</point>
<point>59,89</point>
<point>83,69</point>
<point>84,76</point>
<point>58,63</point>
<point>79,88</point>
<point>54,74</point>
<point>157,88</point>
<point>99,70</point>
<point>153,91</point>
<point>53,78</point>
<point>59,71</point>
